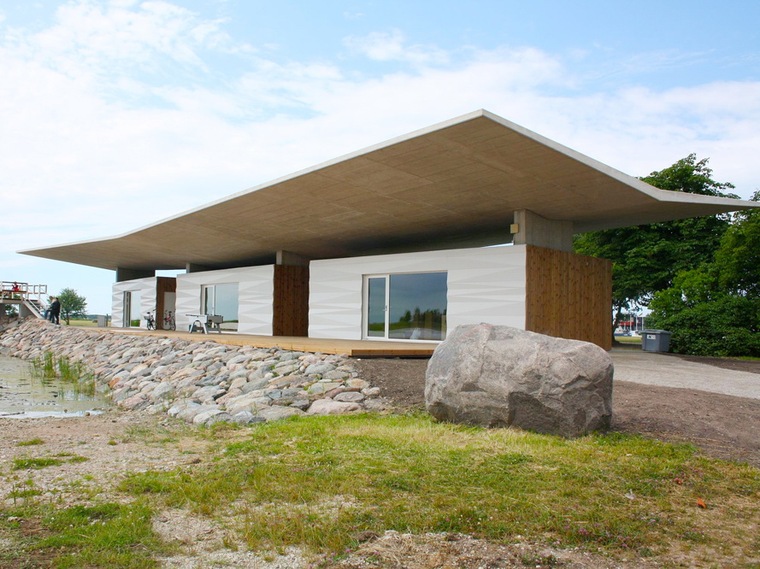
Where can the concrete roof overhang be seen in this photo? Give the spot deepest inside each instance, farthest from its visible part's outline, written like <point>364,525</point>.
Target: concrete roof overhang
<point>454,184</point>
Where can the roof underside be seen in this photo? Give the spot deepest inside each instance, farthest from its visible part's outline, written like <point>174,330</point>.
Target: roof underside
<point>456,184</point>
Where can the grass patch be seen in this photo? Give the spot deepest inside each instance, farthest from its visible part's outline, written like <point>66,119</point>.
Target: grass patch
<point>102,535</point>
<point>24,490</point>
<point>320,481</point>
<point>38,463</point>
<point>83,323</point>
<point>73,375</point>
<point>27,463</point>
<point>30,442</point>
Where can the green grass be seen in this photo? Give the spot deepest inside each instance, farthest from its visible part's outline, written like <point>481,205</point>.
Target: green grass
<point>74,375</point>
<point>27,463</point>
<point>102,535</point>
<point>30,442</point>
<point>82,323</point>
<point>321,481</point>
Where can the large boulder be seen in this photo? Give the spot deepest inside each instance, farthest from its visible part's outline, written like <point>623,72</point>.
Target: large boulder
<point>501,376</point>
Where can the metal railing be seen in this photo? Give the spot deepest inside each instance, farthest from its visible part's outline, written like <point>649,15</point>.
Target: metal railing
<point>15,290</point>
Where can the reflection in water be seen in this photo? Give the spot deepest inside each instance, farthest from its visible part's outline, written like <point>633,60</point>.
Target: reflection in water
<point>24,396</point>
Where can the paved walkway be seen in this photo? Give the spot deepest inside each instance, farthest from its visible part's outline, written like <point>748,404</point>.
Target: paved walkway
<point>650,368</point>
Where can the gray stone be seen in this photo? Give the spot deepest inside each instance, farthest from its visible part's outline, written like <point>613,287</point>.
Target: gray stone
<point>356,383</point>
<point>212,380</point>
<point>188,411</point>
<point>208,393</point>
<point>277,413</point>
<point>205,417</point>
<point>247,402</point>
<point>501,376</point>
<point>319,369</point>
<point>135,402</point>
<point>162,391</point>
<point>246,418</point>
<point>254,385</point>
<point>322,387</point>
<point>302,404</point>
<point>330,407</point>
<point>349,397</point>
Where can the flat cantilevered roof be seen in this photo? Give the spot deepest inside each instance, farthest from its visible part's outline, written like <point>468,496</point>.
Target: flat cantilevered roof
<point>454,184</point>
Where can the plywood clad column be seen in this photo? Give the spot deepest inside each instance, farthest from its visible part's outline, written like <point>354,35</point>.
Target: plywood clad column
<point>163,285</point>
<point>568,296</point>
<point>291,301</point>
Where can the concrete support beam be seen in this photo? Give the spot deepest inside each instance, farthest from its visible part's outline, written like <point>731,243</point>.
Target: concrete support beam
<point>123,274</point>
<point>193,268</point>
<point>531,229</point>
<point>291,259</point>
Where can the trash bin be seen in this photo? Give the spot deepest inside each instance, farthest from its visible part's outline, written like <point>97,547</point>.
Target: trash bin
<point>101,320</point>
<point>655,340</point>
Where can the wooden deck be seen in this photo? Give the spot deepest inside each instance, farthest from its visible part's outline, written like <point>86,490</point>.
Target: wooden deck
<point>352,348</point>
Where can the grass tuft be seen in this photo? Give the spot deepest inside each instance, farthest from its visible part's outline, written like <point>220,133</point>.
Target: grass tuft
<point>74,375</point>
<point>27,463</point>
<point>30,442</point>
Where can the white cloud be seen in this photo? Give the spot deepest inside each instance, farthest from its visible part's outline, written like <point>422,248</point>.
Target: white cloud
<point>392,46</point>
<point>114,116</point>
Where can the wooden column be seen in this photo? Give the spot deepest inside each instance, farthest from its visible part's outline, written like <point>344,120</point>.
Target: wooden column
<point>568,295</point>
<point>291,301</point>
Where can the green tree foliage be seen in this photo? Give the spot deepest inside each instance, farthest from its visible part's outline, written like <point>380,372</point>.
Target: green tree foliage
<point>72,304</point>
<point>738,259</point>
<point>647,258</point>
<point>715,309</point>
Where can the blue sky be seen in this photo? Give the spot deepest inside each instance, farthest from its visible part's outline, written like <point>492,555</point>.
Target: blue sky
<point>118,114</point>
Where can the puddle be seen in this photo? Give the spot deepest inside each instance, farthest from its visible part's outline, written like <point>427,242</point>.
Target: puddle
<point>23,396</point>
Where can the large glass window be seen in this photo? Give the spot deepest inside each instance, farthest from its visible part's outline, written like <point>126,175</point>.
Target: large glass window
<point>406,306</point>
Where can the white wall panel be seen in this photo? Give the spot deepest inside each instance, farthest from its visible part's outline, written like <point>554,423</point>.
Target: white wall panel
<point>484,285</point>
<point>255,294</point>
<point>147,289</point>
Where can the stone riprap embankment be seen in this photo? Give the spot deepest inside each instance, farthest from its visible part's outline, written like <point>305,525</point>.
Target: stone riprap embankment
<point>201,382</point>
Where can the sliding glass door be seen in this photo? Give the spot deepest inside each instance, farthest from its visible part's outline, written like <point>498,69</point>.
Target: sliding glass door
<point>131,309</point>
<point>221,300</point>
<point>405,306</point>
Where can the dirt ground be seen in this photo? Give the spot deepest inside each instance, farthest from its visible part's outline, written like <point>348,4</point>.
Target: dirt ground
<point>119,441</point>
<point>721,426</point>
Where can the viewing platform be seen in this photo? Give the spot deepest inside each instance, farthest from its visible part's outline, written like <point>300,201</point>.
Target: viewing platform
<point>31,300</point>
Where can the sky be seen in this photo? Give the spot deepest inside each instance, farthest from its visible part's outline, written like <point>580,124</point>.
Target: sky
<point>118,114</point>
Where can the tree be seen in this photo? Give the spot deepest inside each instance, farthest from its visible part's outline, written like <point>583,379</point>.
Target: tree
<point>738,258</point>
<point>9,311</point>
<point>715,309</point>
<point>706,320</point>
<point>71,304</point>
<point>646,258</point>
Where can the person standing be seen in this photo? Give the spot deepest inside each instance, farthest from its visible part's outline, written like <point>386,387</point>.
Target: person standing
<point>55,311</point>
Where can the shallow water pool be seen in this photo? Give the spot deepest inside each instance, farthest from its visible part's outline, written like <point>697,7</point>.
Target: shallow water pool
<point>23,396</point>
